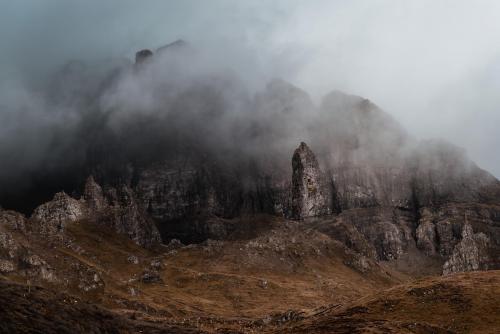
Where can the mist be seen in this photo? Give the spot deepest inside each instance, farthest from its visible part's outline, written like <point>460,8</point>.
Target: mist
<point>69,84</point>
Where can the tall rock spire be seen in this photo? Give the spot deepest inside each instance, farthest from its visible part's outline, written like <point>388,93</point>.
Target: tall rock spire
<point>311,191</point>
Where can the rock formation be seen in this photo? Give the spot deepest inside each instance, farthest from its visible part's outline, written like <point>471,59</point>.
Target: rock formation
<point>470,254</point>
<point>50,218</point>
<point>142,56</point>
<point>116,208</point>
<point>93,195</point>
<point>311,194</point>
<point>190,166</point>
<point>126,216</point>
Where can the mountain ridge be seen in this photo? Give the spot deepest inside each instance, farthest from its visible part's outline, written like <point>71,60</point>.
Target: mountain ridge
<point>177,197</point>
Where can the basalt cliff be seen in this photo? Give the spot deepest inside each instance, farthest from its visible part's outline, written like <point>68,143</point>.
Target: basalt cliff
<point>186,213</point>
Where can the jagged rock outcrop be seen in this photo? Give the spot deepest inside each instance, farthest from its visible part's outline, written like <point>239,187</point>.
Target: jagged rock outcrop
<point>142,56</point>
<point>184,158</point>
<point>15,254</point>
<point>118,209</point>
<point>470,254</point>
<point>9,247</point>
<point>126,216</point>
<point>311,192</point>
<point>427,239</point>
<point>6,266</point>
<point>50,218</point>
<point>93,195</point>
<point>13,220</point>
<point>381,233</point>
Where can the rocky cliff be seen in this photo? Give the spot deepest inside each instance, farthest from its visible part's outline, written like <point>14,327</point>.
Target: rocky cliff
<point>183,155</point>
<point>117,209</point>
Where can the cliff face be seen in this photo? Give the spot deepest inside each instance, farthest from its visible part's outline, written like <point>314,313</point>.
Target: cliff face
<point>117,209</point>
<point>395,196</point>
<point>184,159</point>
<point>470,254</point>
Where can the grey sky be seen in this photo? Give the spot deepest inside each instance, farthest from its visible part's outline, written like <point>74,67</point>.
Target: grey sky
<point>434,65</point>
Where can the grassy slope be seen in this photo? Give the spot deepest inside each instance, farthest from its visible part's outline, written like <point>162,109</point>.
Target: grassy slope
<point>461,303</point>
<point>246,284</point>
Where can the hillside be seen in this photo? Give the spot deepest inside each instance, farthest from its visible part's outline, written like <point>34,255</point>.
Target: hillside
<point>461,303</point>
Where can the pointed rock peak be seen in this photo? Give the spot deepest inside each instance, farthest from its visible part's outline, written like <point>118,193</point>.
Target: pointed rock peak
<point>303,147</point>
<point>13,219</point>
<point>311,192</point>
<point>91,186</point>
<point>470,254</point>
<point>467,231</point>
<point>52,216</point>
<point>93,194</point>
<point>61,196</point>
<point>303,157</point>
<point>142,56</point>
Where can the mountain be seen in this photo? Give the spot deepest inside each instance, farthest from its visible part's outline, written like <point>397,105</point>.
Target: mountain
<point>175,199</point>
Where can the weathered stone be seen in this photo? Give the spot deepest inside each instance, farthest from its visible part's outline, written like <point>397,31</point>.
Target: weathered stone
<point>469,254</point>
<point>142,56</point>
<point>50,218</point>
<point>8,245</point>
<point>13,220</point>
<point>119,209</point>
<point>90,280</point>
<point>126,216</point>
<point>94,195</point>
<point>156,264</point>
<point>33,260</point>
<point>426,237</point>
<point>151,276</point>
<point>6,266</point>
<point>133,259</point>
<point>311,194</point>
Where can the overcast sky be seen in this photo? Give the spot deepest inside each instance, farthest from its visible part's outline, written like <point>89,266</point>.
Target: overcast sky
<point>434,65</point>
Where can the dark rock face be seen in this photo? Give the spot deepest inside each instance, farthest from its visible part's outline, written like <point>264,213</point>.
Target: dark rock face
<point>395,196</point>
<point>116,208</point>
<point>439,234</point>
<point>93,195</point>
<point>446,231</point>
<point>126,216</point>
<point>311,194</point>
<point>193,165</point>
<point>184,195</point>
<point>470,254</point>
<point>50,218</point>
<point>15,255</point>
<point>426,236</point>
<point>380,233</point>
<point>142,56</point>
<point>12,219</point>
<point>9,248</point>
<point>151,276</point>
